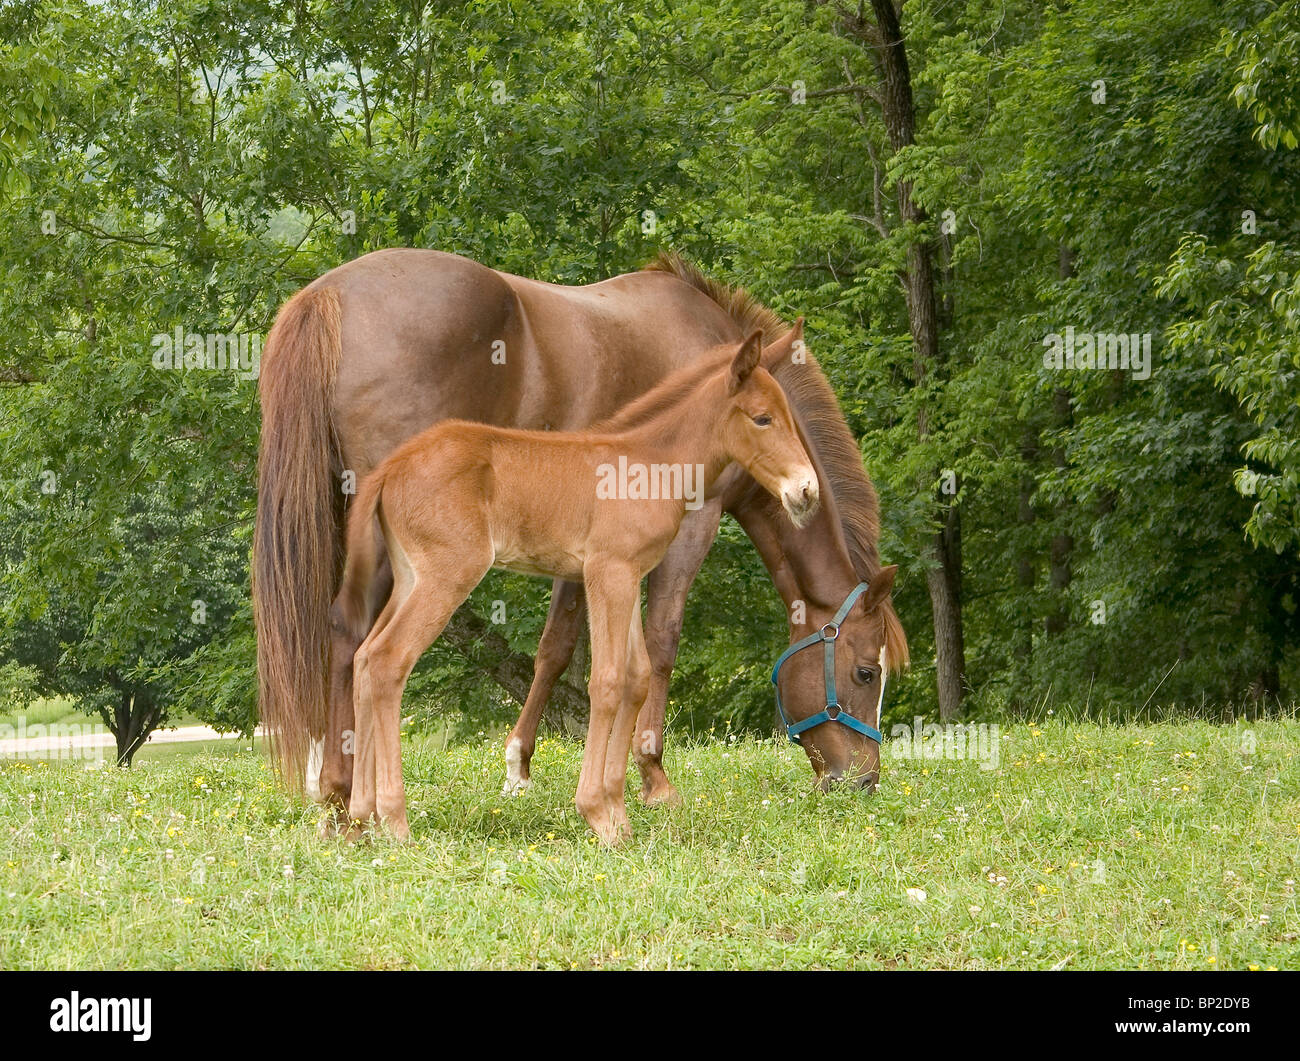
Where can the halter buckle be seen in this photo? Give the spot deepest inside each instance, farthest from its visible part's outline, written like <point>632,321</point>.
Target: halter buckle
<point>835,627</point>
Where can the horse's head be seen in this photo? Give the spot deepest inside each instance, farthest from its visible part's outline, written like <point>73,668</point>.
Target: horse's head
<point>837,721</point>
<point>760,434</point>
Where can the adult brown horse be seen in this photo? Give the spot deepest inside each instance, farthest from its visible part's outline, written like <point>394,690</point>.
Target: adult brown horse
<point>373,352</point>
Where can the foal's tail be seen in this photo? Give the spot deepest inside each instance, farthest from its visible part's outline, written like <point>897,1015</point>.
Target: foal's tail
<point>296,539</point>
<point>364,547</point>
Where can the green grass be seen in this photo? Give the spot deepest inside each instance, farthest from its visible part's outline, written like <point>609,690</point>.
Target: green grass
<point>1171,846</point>
<point>45,712</point>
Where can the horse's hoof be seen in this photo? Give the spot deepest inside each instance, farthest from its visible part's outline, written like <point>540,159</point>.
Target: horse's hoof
<point>516,786</point>
<point>663,794</point>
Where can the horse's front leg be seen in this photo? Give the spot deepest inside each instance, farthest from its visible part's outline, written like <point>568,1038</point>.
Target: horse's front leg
<point>554,653</point>
<point>668,586</point>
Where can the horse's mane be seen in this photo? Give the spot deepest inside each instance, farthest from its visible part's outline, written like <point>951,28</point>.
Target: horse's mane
<point>810,393</point>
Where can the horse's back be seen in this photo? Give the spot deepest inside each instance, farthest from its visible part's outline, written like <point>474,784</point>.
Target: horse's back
<point>430,336</point>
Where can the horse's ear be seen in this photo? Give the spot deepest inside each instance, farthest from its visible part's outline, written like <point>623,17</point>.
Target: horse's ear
<point>745,361</point>
<point>783,350</point>
<point>880,588</point>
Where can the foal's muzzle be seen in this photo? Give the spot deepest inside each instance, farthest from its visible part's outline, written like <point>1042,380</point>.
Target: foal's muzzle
<point>801,500</point>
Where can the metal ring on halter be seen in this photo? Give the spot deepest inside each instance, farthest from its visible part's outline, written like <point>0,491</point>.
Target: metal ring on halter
<point>830,626</point>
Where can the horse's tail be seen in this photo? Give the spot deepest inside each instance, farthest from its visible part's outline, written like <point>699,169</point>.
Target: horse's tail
<point>297,536</point>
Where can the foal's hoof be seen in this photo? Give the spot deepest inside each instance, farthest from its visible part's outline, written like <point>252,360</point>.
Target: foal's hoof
<point>395,828</point>
<point>614,835</point>
<point>611,831</point>
<point>356,831</point>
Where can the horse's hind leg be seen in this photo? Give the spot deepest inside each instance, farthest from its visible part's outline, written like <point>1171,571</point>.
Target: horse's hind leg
<point>554,653</point>
<point>668,585</point>
<point>422,603</point>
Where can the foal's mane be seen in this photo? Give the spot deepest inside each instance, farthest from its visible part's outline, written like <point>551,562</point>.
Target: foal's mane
<point>810,393</point>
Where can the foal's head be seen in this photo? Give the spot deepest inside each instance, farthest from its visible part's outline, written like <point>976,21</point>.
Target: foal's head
<point>759,434</point>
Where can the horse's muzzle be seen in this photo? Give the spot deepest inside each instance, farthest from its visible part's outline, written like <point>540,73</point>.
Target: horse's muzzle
<point>867,782</point>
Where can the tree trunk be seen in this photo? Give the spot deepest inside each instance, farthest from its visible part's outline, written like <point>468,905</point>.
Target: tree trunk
<point>898,110</point>
<point>945,599</point>
<point>1062,544</point>
<point>1026,570</point>
<point>133,720</point>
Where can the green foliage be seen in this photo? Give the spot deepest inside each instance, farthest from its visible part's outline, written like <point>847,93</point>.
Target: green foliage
<point>191,165</point>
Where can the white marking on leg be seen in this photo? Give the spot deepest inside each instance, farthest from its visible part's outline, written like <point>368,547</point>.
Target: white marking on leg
<point>315,761</point>
<point>516,783</point>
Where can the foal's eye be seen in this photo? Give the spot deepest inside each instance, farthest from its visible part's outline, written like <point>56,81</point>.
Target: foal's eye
<point>866,675</point>
<point>763,420</point>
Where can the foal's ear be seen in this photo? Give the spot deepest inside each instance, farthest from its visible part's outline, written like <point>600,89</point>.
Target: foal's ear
<point>745,361</point>
<point>783,350</point>
<point>880,588</point>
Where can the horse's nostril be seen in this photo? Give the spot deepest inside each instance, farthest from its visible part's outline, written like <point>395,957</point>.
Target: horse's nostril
<point>839,777</point>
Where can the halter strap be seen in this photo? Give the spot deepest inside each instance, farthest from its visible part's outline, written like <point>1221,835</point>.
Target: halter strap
<point>832,712</point>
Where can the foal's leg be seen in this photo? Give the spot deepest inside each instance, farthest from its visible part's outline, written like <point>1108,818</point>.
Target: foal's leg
<point>613,592</point>
<point>349,625</point>
<point>668,586</point>
<point>415,616</point>
<point>361,801</point>
<point>554,652</point>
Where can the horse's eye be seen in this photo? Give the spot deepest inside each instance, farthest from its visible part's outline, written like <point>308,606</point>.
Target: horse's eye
<point>866,675</point>
<point>763,420</point>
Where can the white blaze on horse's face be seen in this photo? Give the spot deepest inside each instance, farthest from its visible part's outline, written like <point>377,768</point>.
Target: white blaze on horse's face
<point>884,677</point>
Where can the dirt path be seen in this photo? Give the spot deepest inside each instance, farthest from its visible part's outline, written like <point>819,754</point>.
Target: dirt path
<point>65,737</point>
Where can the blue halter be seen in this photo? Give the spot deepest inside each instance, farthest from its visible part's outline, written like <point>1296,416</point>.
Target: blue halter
<point>832,712</point>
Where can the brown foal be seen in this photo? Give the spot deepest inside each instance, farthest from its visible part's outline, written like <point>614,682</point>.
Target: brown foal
<point>461,498</point>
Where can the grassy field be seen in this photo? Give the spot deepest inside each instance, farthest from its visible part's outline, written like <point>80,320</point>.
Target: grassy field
<point>1170,846</point>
